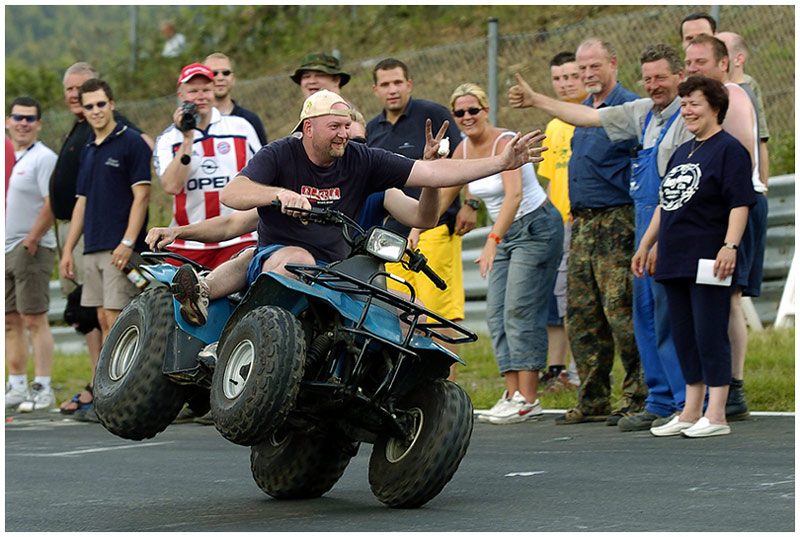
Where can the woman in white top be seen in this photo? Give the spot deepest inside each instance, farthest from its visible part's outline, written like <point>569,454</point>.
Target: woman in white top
<point>520,256</point>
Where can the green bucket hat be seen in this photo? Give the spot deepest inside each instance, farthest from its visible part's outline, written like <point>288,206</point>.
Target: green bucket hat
<point>319,61</point>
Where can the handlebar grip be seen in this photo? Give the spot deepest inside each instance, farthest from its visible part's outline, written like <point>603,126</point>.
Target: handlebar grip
<point>437,281</point>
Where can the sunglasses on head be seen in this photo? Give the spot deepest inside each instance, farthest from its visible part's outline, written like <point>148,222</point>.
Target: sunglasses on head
<point>23,117</point>
<point>225,72</point>
<point>472,112</point>
<point>99,104</point>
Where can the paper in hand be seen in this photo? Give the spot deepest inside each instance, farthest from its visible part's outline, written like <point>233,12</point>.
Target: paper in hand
<point>705,274</point>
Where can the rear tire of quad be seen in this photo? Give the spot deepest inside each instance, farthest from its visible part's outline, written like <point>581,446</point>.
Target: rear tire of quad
<point>409,475</point>
<point>257,376</point>
<point>132,397</point>
<point>296,465</point>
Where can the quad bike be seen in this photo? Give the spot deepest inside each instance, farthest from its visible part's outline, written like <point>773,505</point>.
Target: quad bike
<point>301,370</point>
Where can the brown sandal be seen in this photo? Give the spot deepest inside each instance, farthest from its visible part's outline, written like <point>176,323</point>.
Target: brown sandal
<point>575,415</point>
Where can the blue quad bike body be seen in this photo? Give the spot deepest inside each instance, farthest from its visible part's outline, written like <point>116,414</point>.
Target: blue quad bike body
<point>302,370</point>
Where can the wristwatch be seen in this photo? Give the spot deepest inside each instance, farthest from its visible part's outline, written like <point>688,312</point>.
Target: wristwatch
<point>127,242</point>
<point>731,246</point>
<point>186,160</point>
<point>475,204</point>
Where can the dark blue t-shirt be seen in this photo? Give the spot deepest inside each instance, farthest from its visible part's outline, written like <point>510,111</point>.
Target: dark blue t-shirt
<point>343,186</point>
<point>696,198</point>
<point>600,170</point>
<point>373,212</point>
<point>65,174</point>
<point>407,137</point>
<point>106,176</point>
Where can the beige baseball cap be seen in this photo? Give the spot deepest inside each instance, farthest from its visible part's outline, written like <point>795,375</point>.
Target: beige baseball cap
<point>319,104</point>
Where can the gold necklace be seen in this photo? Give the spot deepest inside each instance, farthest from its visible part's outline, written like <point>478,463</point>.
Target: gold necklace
<point>694,149</point>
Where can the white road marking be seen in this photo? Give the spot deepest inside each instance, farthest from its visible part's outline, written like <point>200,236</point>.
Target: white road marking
<point>524,474</point>
<point>92,450</point>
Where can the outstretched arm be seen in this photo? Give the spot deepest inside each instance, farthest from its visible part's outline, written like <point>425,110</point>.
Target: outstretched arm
<point>522,96</point>
<point>217,229</point>
<point>422,213</point>
<point>449,172</point>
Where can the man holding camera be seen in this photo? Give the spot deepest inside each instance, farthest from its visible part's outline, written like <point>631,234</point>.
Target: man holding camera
<point>196,157</point>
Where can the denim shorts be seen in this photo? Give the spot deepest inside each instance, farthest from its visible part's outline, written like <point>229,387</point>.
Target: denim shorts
<point>520,284</point>
<point>750,258</point>
<point>262,254</point>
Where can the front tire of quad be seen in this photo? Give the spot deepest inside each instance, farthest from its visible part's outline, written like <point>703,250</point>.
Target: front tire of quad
<point>299,465</point>
<point>257,376</point>
<point>408,474</point>
<point>132,397</point>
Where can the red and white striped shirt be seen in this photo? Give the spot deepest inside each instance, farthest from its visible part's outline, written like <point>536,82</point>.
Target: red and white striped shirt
<point>218,154</point>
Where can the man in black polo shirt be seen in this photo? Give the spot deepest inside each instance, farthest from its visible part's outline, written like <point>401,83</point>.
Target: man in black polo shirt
<point>62,197</point>
<point>400,128</point>
<point>224,79</point>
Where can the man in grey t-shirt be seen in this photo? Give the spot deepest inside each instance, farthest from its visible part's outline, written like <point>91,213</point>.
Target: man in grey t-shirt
<point>30,254</point>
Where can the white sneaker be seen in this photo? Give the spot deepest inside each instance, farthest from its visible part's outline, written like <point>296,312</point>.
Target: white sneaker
<point>483,415</point>
<point>672,428</point>
<point>517,410</point>
<point>15,397</point>
<point>41,398</point>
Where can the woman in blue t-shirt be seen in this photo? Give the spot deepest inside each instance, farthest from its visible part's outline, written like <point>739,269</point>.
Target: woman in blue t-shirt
<point>704,201</point>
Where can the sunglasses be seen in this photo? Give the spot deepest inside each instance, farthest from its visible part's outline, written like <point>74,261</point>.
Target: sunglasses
<point>225,72</point>
<point>472,112</point>
<point>99,104</point>
<point>22,117</point>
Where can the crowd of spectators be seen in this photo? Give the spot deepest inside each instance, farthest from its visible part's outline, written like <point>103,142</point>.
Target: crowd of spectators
<point>588,266</point>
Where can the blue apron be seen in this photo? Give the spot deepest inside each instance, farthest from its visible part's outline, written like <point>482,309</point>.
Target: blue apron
<point>662,373</point>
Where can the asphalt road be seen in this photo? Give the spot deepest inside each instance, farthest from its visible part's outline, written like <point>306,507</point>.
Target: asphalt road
<point>62,475</point>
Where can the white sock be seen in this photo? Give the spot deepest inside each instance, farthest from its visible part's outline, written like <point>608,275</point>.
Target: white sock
<point>18,382</point>
<point>44,381</point>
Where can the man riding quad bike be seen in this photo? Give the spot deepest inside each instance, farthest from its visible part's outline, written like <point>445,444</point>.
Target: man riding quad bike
<point>307,368</point>
<point>313,359</point>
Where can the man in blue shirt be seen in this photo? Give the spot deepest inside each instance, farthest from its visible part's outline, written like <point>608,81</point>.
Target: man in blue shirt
<point>599,285</point>
<point>113,192</point>
<point>400,128</point>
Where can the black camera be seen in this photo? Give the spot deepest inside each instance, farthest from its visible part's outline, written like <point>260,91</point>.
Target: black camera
<point>189,117</point>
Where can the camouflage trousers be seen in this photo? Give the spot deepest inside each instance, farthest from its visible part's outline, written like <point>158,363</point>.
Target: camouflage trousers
<point>600,307</point>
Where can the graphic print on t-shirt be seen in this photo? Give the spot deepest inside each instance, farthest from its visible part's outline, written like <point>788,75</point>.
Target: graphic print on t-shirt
<point>320,195</point>
<point>679,185</point>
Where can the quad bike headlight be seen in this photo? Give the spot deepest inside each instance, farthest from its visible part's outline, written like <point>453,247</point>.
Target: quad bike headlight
<point>386,245</point>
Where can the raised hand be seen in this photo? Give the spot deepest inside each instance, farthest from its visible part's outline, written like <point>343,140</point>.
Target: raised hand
<point>521,95</point>
<point>522,150</point>
<point>431,151</point>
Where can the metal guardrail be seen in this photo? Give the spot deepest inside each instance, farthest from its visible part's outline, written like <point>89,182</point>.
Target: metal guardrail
<point>777,258</point>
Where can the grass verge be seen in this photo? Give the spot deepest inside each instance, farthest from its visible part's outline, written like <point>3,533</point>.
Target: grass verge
<point>769,374</point>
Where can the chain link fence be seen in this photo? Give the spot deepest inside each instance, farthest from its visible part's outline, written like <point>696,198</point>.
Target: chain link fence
<point>767,30</point>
